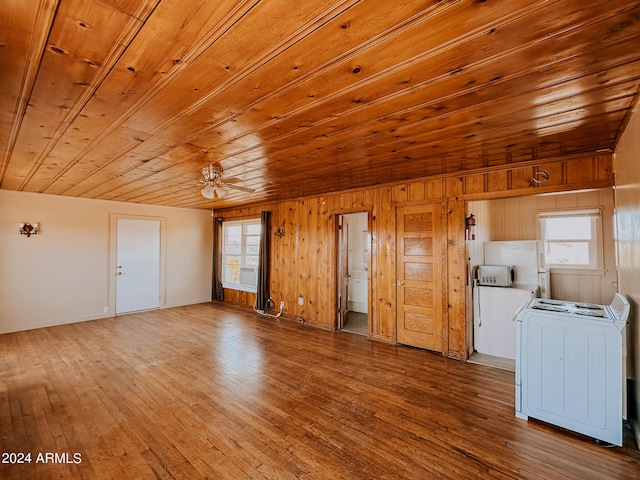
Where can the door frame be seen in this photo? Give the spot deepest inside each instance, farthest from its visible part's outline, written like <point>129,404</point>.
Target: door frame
<point>113,257</point>
<point>337,280</point>
<point>343,264</point>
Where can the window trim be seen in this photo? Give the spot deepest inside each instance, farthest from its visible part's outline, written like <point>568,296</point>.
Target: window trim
<point>225,226</point>
<point>596,245</point>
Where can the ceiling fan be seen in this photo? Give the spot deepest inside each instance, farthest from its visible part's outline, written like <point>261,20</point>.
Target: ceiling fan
<point>214,186</point>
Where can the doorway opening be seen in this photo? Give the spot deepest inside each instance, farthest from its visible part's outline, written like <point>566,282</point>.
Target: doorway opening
<point>354,246</point>
<point>506,228</point>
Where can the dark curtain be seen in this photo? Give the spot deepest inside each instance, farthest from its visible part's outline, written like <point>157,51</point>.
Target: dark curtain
<point>217,293</point>
<point>263,295</point>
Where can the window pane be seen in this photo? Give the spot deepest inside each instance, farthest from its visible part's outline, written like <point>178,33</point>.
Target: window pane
<point>568,228</point>
<point>252,229</point>
<point>232,271</point>
<point>567,253</point>
<point>571,238</point>
<point>253,239</point>
<point>251,261</point>
<point>252,245</point>
<point>234,230</point>
<point>234,246</point>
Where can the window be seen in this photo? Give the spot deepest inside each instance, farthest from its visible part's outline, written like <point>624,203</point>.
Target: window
<point>572,239</point>
<point>240,254</point>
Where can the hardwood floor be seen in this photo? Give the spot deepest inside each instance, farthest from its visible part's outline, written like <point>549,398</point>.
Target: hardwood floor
<point>213,391</point>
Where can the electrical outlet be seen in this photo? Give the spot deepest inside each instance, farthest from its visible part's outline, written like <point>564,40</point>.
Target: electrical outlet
<point>281,305</point>
<point>106,309</point>
<point>300,301</point>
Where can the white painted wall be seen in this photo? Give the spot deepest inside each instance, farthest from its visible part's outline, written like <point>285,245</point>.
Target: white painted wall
<point>62,275</point>
<point>475,256</point>
<point>627,216</point>
<point>358,229</point>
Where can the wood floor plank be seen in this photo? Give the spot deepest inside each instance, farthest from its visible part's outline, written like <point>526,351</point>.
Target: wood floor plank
<point>218,392</point>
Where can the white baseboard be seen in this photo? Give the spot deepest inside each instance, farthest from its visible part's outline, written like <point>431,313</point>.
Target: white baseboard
<point>12,327</point>
<point>17,326</point>
<point>183,303</point>
<point>357,307</point>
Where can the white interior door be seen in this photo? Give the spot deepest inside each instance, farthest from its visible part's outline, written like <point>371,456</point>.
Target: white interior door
<point>137,265</point>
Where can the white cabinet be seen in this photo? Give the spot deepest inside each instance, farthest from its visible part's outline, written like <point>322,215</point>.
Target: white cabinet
<point>358,292</point>
<point>494,332</point>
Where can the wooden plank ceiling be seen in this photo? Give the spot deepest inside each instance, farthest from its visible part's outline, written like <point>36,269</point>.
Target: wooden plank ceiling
<point>128,100</point>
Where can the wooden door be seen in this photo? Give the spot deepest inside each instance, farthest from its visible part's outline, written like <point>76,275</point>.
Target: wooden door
<point>343,270</point>
<point>421,270</point>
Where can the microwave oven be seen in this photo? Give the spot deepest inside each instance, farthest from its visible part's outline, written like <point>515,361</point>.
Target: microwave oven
<point>496,275</point>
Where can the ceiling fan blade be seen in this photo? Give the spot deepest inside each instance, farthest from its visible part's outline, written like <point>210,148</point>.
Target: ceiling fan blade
<point>238,187</point>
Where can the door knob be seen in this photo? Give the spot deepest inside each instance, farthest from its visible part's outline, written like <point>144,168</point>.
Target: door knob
<point>119,273</point>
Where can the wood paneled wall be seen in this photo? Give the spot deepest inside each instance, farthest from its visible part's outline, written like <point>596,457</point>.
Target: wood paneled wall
<point>303,261</point>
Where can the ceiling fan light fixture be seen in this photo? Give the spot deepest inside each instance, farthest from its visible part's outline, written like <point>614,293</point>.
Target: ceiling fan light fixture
<point>208,192</point>
<point>214,186</point>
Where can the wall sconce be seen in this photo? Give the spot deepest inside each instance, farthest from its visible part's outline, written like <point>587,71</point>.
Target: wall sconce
<point>28,229</point>
<point>279,231</point>
<point>470,227</point>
